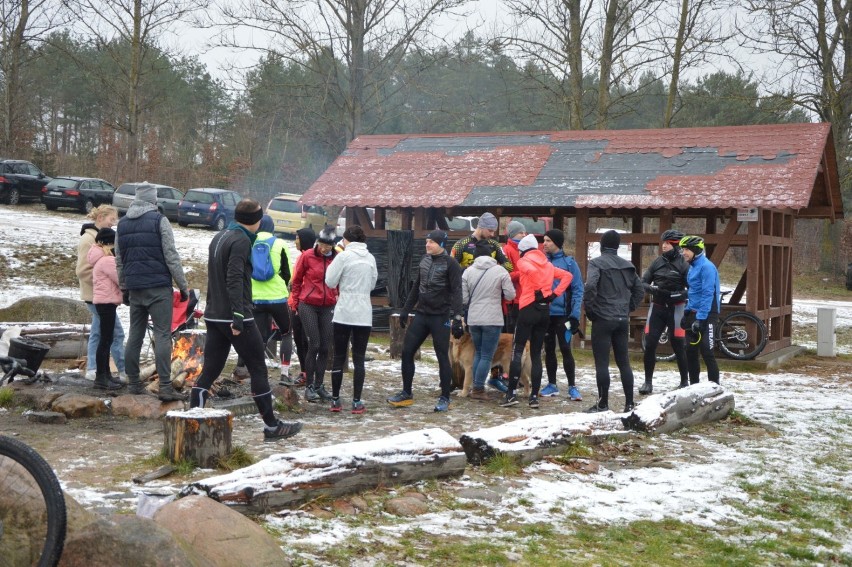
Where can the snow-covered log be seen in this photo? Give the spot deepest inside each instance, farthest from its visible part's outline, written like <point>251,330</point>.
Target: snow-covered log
<point>66,340</point>
<point>536,437</point>
<point>284,480</point>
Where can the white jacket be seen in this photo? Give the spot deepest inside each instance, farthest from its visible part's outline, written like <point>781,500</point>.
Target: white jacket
<point>353,272</point>
<point>485,284</point>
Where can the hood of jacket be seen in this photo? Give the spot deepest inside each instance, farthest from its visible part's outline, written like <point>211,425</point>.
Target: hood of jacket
<point>307,238</point>
<point>358,248</point>
<point>536,257</point>
<point>88,226</point>
<point>483,263</point>
<point>138,208</point>
<point>95,254</point>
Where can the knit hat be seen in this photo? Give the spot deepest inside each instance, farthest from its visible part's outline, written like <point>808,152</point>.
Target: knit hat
<point>528,242</point>
<point>438,236</point>
<point>105,236</point>
<point>483,248</point>
<point>611,239</point>
<point>487,221</point>
<point>514,228</point>
<point>327,235</point>
<point>307,238</point>
<point>556,236</point>
<point>266,224</point>
<point>146,192</point>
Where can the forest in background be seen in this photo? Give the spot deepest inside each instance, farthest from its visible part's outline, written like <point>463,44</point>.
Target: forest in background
<point>93,87</point>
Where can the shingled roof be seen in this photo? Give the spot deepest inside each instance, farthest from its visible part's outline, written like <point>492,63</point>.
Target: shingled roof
<point>783,166</point>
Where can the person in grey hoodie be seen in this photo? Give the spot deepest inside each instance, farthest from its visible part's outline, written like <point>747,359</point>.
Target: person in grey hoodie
<point>484,287</point>
<point>147,262</point>
<point>353,272</point>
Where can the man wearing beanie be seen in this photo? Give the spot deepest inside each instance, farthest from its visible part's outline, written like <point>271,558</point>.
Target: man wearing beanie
<point>147,263</point>
<point>230,321</point>
<point>564,317</point>
<point>612,291</point>
<point>665,280</point>
<point>464,250</point>
<point>702,309</point>
<point>537,293</point>
<point>515,231</point>
<point>435,297</point>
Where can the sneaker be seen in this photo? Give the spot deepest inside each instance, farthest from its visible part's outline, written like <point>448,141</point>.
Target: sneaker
<point>358,407</point>
<point>286,381</point>
<point>598,407</point>
<point>629,408</point>
<point>646,388</point>
<point>311,395</point>
<point>574,394</point>
<point>91,374</point>
<point>401,400</point>
<point>168,393</point>
<point>478,394</point>
<point>509,401</point>
<point>443,404</point>
<point>534,401</point>
<point>282,430</point>
<point>335,405</point>
<point>549,391</point>
<point>136,389</point>
<point>323,393</point>
<point>498,385</point>
<point>301,381</point>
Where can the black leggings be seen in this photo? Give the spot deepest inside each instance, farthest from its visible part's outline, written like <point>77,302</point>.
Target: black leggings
<point>556,333</point>
<point>280,313</point>
<point>106,311</point>
<point>532,326</point>
<point>319,331</point>
<point>360,337</point>
<point>299,340</point>
<point>661,317</point>
<point>420,327</point>
<point>608,333</point>
<point>702,347</point>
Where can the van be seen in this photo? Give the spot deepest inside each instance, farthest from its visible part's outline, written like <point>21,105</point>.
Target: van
<point>289,215</point>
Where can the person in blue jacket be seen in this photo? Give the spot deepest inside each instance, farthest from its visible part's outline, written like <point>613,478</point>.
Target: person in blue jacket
<point>565,309</point>
<point>702,309</point>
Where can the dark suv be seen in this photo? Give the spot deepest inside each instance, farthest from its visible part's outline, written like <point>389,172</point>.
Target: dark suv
<point>20,181</point>
<point>211,207</point>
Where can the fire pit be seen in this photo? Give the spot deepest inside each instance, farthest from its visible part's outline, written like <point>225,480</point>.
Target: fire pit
<point>188,357</point>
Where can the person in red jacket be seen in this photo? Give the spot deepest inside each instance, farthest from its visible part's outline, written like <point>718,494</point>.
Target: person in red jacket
<point>314,303</point>
<point>537,291</point>
<point>515,231</point>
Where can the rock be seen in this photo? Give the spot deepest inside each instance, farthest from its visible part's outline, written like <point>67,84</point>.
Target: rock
<point>221,535</point>
<point>35,397</point>
<point>359,503</point>
<point>52,417</point>
<point>47,309</point>
<point>416,495</point>
<point>479,494</point>
<point>79,405</point>
<point>406,506</point>
<point>143,406</point>
<point>343,507</point>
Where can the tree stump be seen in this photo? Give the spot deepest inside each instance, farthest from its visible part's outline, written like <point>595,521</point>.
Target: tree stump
<point>397,334</point>
<point>200,435</point>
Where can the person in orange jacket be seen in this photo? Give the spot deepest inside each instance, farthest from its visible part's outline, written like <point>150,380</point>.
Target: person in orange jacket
<point>515,231</point>
<point>537,277</point>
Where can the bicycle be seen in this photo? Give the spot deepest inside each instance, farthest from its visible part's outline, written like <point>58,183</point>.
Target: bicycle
<point>741,336</point>
<point>33,518</point>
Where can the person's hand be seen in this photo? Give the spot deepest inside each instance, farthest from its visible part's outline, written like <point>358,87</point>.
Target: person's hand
<point>574,325</point>
<point>686,322</point>
<point>125,297</point>
<point>184,295</point>
<point>457,328</point>
<point>539,297</point>
<point>696,327</point>
<point>403,319</point>
<point>237,325</point>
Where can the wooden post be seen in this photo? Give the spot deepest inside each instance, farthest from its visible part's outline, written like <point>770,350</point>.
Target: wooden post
<point>199,435</point>
<point>397,334</point>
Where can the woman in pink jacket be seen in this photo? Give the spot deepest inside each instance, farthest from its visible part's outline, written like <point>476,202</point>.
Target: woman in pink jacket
<point>106,298</point>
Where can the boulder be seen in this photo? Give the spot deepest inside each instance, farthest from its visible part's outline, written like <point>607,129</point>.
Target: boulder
<point>53,417</point>
<point>79,405</point>
<point>45,308</point>
<point>406,506</point>
<point>142,406</point>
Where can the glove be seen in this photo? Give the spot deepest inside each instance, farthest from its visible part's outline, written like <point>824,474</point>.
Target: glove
<point>457,329</point>
<point>237,324</point>
<point>550,298</point>
<point>125,297</point>
<point>574,325</point>
<point>403,319</point>
<point>184,295</point>
<point>686,322</point>
<point>695,327</point>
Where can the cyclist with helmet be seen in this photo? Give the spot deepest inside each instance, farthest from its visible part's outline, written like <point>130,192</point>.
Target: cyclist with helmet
<point>702,309</point>
<point>665,280</point>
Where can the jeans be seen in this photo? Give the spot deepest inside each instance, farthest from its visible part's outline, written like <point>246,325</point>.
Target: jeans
<point>117,348</point>
<point>485,341</point>
<point>155,302</point>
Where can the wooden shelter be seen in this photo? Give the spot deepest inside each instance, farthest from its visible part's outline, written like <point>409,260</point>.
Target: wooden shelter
<point>741,187</point>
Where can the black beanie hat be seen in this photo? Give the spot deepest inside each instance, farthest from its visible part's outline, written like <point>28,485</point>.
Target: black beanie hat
<point>556,236</point>
<point>327,235</point>
<point>611,239</point>
<point>105,236</point>
<point>483,248</point>
<point>438,236</point>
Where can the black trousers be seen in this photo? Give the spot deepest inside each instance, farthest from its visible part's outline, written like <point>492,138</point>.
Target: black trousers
<point>533,321</point>
<point>606,334</point>
<point>660,317</point>
<point>106,311</point>
<point>280,313</point>
<point>702,346</point>
<point>556,335</point>
<point>420,327</point>
<point>319,332</point>
<point>360,337</point>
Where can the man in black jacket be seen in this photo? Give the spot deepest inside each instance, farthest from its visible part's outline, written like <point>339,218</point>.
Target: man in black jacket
<point>612,291</point>
<point>230,321</point>
<point>437,293</point>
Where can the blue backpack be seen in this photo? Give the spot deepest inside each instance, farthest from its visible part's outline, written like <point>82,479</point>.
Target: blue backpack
<point>261,260</point>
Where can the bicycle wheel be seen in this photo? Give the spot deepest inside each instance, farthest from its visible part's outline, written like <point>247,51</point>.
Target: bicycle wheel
<point>32,508</point>
<point>742,335</point>
<point>664,352</point>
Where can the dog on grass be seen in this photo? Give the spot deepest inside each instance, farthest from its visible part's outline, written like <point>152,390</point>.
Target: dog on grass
<point>461,358</point>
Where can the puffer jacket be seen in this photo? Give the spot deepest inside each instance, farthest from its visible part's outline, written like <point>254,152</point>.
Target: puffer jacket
<point>437,289</point>
<point>84,269</point>
<point>308,283</point>
<point>353,272</point>
<point>484,285</point>
<point>668,274</point>
<point>613,289</point>
<point>537,274</point>
<point>104,277</point>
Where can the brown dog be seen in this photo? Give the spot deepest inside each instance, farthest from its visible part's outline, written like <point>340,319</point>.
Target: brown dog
<point>461,357</point>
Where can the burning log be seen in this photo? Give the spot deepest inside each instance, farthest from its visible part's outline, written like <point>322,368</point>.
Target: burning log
<point>200,435</point>
<point>283,480</point>
<point>188,357</point>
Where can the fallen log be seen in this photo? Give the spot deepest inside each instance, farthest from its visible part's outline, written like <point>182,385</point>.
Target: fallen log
<point>288,479</point>
<point>66,340</point>
<point>200,435</point>
<point>534,438</point>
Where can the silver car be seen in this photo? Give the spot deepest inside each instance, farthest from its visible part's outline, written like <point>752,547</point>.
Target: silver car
<point>167,198</point>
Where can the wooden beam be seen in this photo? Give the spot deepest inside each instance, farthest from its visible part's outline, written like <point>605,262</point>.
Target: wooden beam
<point>723,244</point>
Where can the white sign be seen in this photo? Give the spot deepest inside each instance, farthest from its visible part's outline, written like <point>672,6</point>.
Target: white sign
<point>747,215</point>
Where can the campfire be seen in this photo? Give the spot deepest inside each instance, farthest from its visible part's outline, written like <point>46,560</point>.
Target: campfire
<point>187,357</point>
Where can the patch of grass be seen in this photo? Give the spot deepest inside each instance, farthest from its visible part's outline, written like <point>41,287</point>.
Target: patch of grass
<point>738,418</point>
<point>184,466</point>
<point>7,395</point>
<point>503,464</point>
<point>237,459</point>
<point>820,286</point>
<point>577,448</point>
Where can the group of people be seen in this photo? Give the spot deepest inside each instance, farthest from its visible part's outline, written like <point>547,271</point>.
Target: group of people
<point>535,292</point>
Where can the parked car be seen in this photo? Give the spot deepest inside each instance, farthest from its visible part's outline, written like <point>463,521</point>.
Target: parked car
<point>81,193</point>
<point>625,250</point>
<point>463,224</point>
<point>289,215</point>
<point>167,198</point>
<point>536,226</point>
<point>213,208</point>
<point>341,220</point>
<point>20,181</point>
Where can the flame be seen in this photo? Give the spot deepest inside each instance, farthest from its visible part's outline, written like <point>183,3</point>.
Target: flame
<point>189,350</point>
